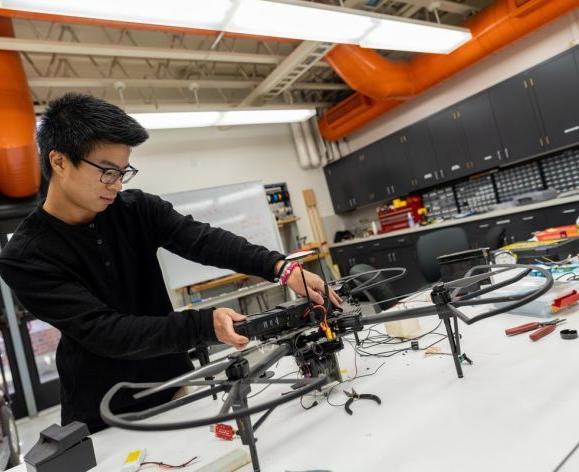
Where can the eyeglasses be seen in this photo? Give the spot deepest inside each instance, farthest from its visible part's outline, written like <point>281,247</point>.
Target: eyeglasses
<point>110,175</point>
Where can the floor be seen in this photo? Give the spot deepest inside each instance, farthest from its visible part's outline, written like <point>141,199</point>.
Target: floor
<point>29,428</point>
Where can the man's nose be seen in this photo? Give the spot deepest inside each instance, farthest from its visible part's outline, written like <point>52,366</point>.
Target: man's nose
<point>117,185</point>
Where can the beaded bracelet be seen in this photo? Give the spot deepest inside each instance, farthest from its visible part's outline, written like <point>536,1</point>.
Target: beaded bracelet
<point>287,272</point>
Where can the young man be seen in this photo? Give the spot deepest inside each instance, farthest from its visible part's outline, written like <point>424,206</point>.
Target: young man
<point>85,262</point>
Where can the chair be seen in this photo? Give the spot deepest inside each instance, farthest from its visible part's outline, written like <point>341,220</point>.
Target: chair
<point>496,237</point>
<point>381,291</point>
<point>438,243</point>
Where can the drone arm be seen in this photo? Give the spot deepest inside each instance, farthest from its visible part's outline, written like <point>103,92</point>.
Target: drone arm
<point>398,315</point>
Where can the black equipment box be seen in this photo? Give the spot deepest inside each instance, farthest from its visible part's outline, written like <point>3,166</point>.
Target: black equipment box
<point>456,265</point>
<point>62,448</point>
<point>533,252</point>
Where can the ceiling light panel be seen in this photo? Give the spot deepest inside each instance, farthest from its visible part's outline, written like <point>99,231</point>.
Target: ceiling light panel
<point>278,18</point>
<point>200,119</point>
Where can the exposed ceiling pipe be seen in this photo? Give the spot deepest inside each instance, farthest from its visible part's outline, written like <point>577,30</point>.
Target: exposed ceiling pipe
<point>301,149</point>
<point>19,166</point>
<point>311,146</point>
<point>382,84</point>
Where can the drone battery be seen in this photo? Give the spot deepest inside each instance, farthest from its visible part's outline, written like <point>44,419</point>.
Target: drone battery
<point>273,322</point>
<point>455,266</point>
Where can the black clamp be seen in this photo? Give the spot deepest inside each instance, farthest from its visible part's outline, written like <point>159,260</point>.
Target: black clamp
<point>353,395</point>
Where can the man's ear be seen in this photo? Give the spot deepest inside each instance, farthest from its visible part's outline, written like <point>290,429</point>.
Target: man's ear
<point>57,162</point>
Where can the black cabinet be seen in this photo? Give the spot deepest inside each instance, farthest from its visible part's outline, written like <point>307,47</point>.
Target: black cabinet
<point>394,167</point>
<point>481,133</point>
<point>555,85</point>
<point>419,152</point>
<point>561,215</point>
<point>449,144</point>
<point>517,119</point>
<point>341,185</point>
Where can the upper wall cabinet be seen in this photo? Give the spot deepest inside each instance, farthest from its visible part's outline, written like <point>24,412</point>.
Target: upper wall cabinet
<point>340,186</point>
<point>555,85</point>
<point>449,145</point>
<point>394,166</point>
<point>517,119</point>
<point>422,163</point>
<point>481,133</point>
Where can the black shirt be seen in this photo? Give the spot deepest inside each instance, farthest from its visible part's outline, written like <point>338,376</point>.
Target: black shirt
<point>101,285</point>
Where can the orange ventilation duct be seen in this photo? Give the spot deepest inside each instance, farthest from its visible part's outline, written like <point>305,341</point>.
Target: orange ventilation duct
<point>382,84</point>
<point>19,166</point>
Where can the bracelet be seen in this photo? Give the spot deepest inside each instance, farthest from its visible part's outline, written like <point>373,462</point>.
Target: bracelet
<point>287,272</point>
<point>279,273</point>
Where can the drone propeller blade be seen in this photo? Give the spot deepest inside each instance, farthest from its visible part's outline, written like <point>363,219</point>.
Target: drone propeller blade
<point>473,279</point>
<point>208,370</point>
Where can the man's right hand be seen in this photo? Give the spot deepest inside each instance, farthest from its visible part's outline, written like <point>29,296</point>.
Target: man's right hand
<point>223,319</point>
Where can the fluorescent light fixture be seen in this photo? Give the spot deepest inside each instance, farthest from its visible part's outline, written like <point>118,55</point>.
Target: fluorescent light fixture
<point>296,19</point>
<point>418,38</point>
<point>199,119</point>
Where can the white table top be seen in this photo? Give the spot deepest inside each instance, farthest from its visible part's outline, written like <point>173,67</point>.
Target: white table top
<point>515,409</point>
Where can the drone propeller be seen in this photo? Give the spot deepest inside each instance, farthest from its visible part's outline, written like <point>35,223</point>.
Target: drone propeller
<point>473,279</point>
<point>208,370</point>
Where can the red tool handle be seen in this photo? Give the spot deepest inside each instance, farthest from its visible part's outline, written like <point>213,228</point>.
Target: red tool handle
<point>522,328</point>
<point>542,332</point>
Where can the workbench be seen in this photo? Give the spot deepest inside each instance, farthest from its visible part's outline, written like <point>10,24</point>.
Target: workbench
<point>515,410</point>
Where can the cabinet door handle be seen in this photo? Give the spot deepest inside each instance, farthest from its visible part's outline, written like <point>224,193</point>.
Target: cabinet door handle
<point>393,189</point>
<point>428,176</point>
<point>401,240</point>
<point>571,130</point>
<point>394,257</point>
<point>376,244</point>
<point>525,82</point>
<point>547,140</point>
<point>388,257</point>
<point>503,222</point>
<point>490,156</point>
<point>456,167</point>
<point>528,218</point>
<point>362,157</point>
<point>531,82</point>
<point>485,225</point>
<point>436,175</point>
<point>541,141</point>
<point>507,152</point>
<point>570,210</point>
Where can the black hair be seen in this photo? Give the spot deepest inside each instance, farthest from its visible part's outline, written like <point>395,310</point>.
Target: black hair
<point>75,124</point>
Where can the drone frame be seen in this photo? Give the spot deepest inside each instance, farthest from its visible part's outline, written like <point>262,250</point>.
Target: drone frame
<point>447,300</point>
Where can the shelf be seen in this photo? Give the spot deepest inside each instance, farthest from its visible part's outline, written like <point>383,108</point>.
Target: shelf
<point>287,221</point>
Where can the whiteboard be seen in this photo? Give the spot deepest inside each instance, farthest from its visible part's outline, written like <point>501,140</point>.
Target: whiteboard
<point>239,208</point>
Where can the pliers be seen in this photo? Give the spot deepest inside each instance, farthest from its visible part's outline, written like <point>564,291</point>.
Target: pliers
<point>353,395</point>
<point>540,329</point>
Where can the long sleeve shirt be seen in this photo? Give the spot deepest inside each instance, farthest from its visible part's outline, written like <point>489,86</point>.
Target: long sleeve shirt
<point>101,285</point>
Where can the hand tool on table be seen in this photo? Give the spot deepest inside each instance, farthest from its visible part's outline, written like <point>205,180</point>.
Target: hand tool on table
<point>353,395</point>
<point>540,329</point>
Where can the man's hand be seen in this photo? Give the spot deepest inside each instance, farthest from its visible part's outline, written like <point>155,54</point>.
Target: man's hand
<point>223,319</point>
<point>314,283</point>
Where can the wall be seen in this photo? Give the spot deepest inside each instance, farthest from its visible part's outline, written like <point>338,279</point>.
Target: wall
<point>183,159</point>
<point>539,46</point>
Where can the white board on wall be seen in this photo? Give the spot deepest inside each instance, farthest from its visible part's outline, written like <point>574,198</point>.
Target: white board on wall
<point>239,208</point>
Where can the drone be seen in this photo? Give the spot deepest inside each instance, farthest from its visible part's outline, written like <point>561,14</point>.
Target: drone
<point>313,334</point>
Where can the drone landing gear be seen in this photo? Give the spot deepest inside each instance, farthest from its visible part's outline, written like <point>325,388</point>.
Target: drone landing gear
<point>441,297</point>
<point>239,371</point>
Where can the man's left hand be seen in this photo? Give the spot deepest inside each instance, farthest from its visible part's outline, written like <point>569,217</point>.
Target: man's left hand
<point>315,286</point>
